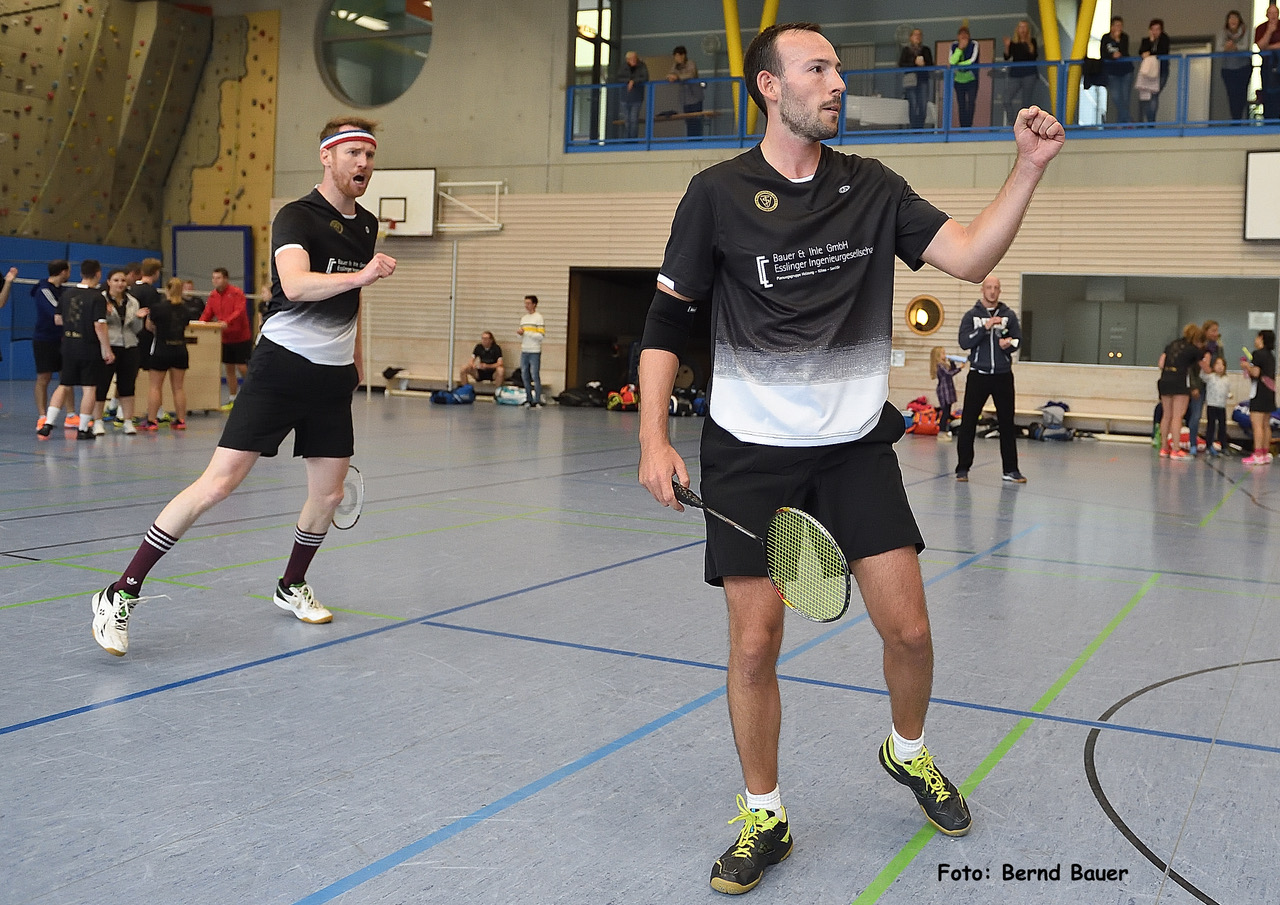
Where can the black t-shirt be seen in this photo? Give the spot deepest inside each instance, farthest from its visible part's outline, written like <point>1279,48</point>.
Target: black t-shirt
<point>81,308</point>
<point>800,278</point>
<point>488,357</point>
<point>170,321</point>
<point>323,332</point>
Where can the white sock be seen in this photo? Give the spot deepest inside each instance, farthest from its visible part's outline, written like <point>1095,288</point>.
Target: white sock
<point>51,415</point>
<point>907,749</point>
<point>770,802</point>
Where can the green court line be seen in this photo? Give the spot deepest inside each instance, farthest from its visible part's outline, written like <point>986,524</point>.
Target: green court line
<point>916,844</point>
<point>1214,511</point>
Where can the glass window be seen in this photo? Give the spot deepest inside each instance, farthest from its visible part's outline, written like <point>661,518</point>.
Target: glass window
<point>371,51</point>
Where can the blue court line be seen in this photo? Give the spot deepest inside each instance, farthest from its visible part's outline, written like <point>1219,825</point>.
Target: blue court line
<point>448,831</point>
<point>275,658</point>
<point>1035,716</point>
<point>413,849</point>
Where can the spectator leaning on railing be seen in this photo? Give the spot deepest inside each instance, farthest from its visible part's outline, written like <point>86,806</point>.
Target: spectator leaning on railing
<point>1234,38</point>
<point>916,84</point>
<point>964,56</point>
<point>1116,68</point>
<point>1267,37</point>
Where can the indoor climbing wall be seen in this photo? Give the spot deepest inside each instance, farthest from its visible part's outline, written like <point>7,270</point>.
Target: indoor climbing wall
<point>94,98</point>
<point>224,174</point>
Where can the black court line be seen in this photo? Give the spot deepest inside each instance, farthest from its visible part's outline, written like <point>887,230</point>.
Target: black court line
<point>1091,771</point>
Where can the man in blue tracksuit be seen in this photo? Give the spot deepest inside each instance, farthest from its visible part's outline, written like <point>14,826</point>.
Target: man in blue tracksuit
<point>991,334</point>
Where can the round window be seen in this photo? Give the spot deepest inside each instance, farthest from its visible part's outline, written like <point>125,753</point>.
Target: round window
<point>924,315</point>
<point>371,51</point>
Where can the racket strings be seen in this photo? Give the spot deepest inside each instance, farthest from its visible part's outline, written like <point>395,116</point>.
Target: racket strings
<point>807,566</point>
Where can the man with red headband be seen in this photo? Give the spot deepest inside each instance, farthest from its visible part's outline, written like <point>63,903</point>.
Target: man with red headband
<point>301,378</point>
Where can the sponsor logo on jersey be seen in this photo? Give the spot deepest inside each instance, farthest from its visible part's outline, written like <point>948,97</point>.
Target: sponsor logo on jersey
<point>843,189</point>
<point>767,201</point>
<point>336,226</point>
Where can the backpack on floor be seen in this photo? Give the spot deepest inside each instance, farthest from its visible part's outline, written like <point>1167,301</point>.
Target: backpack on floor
<point>924,422</point>
<point>509,395</point>
<point>462,395</point>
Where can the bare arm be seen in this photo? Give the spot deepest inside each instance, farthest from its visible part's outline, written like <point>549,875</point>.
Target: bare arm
<point>971,252</point>
<point>301,284</point>
<point>658,458</point>
<point>7,285</point>
<point>100,328</point>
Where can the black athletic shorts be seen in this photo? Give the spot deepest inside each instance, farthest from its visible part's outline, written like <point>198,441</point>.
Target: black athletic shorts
<point>1264,400</point>
<point>48,356</point>
<point>284,392</point>
<point>485,373</point>
<point>237,353</point>
<point>169,357</point>
<point>145,340</point>
<point>854,489</point>
<point>80,372</point>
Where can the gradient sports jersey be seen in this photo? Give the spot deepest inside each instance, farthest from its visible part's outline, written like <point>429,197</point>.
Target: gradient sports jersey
<point>323,332</point>
<point>800,278</point>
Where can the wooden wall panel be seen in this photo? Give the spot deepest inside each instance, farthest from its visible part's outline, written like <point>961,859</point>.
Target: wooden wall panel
<point>1166,231</point>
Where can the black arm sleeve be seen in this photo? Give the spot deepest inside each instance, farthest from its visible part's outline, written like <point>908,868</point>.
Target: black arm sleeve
<point>668,324</point>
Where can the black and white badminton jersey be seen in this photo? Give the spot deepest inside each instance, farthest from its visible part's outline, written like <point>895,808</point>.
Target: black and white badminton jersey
<point>800,279</point>
<point>323,332</point>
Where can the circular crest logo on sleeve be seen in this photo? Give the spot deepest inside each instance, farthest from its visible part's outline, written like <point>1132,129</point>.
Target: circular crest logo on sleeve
<point>767,201</point>
<point>335,226</point>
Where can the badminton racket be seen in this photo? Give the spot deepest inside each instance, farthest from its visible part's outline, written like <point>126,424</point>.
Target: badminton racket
<point>348,511</point>
<point>806,565</point>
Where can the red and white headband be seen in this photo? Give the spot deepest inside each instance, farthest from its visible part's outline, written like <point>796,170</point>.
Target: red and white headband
<point>338,138</point>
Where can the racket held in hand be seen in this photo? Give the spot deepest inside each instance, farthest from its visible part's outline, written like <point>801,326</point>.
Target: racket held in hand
<point>806,565</point>
<point>348,511</point>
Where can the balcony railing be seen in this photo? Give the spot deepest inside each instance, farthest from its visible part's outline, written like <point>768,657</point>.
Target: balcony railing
<point>1197,95</point>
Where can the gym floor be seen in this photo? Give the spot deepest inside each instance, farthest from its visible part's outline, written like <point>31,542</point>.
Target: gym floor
<point>521,696</point>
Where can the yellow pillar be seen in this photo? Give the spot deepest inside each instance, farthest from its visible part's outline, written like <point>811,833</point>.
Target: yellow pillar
<point>1052,46</point>
<point>768,16</point>
<point>1079,47</point>
<point>733,46</point>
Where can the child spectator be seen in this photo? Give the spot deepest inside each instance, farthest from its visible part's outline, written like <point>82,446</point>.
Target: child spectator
<point>944,370</point>
<point>1261,369</point>
<point>1217,390</point>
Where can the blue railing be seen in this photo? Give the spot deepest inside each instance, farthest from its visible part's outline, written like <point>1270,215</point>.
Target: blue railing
<point>923,105</point>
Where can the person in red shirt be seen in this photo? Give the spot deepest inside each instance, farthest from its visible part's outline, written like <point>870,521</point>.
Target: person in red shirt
<point>227,306</point>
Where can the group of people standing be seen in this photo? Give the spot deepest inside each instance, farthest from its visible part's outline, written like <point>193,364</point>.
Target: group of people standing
<point>1193,379</point>
<point>94,333</point>
<point>1021,49</point>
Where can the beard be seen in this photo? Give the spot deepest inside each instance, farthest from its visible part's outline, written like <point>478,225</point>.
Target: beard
<point>804,122</point>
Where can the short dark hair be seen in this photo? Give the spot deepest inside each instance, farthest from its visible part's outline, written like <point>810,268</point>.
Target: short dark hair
<point>1268,339</point>
<point>132,267</point>
<point>762,56</point>
<point>114,270</point>
<point>680,49</point>
<point>90,268</point>
<point>56,267</point>
<point>226,274</point>
<point>532,298</point>
<point>1159,22</point>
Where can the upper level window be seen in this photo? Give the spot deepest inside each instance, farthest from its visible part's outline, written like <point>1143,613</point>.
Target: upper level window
<point>371,51</point>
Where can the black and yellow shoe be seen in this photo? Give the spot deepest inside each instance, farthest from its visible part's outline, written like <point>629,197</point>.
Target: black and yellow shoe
<point>941,801</point>
<point>765,839</point>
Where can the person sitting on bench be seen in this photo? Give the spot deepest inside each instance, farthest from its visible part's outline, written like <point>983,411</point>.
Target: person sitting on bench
<point>486,362</point>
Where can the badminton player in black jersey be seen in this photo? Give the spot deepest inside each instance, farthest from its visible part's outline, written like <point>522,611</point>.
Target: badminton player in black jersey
<point>793,244</point>
<point>301,379</point>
